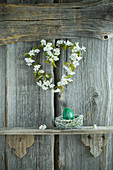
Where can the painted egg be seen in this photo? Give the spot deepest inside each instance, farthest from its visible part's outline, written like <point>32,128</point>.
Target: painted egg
<point>68,114</point>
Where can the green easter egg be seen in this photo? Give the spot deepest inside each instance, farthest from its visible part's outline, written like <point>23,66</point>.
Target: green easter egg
<point>68,114</point>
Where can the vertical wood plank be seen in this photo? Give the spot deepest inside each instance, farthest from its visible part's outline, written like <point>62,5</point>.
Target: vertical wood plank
<point>28,105</point>
<point>110,144</point>
<point>3,54</point>
<point>90,95</point>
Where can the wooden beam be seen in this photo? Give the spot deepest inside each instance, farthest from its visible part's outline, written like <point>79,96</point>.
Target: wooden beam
<point>55,131</point>
<point>28,22</point>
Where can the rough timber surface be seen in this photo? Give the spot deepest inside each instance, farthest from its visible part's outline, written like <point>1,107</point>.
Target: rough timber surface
<point>3,55</point>
<point>27,106</point>
<point>56,131</point>
<point>90,95</point>
<point>29,22</point>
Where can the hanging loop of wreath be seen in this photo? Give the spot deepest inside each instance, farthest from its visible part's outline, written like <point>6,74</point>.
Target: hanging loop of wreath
<point>45,80</point>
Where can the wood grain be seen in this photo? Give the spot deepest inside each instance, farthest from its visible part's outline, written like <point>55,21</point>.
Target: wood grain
<point>56,131</point>
<point>3,114</point>
<point>90,95</point>
<point>25,22</point>
<point>110,118</point>
<point>22,103</point>
<point>96,143</point>
<point>27,105</point>
<point>20,143</point>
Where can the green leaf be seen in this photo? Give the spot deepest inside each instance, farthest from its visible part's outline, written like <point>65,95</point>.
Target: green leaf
<point>34,48</point>
<point>26,54</point>
<point>69,76</point>
<point>53,46</point>
<point>35,73</point>
<point>53,63</point>
<point>64,47</point>
<point>49,75</point>
<point>79,53</point>
<point>39,77</point>
<point>47,61</point>
<point>62,89</point>
<point>45,78</point>
<point>72,66</point>
<point>66,63</point>
<point>41,45</point>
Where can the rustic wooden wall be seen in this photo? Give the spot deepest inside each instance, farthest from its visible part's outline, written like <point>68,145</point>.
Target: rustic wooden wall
<point>3,53</point>
<point>22,104</point>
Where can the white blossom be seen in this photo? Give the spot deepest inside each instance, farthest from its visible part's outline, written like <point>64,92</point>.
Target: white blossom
<point>37,51</point>
<point>57,90</point>
<point>43,42</point>
<point>56,51</point>
<point>32,53</point>
<point>42,127</point>
<point>39,83</point>
<point>68,43</point>
<point>48,47</point>
<point>59,83</point>
<point>36,67</point>
<point>41,71</point>
<point>74,56</point>
<point>49,53</point>
<point>55,58</point>
<point>70,80</point>
<point>51,80</point>
<point>64,80</point>
<point>51,85</point>
<point>68,70</point>
<point>47,83</point>
<point>50,59</point>
<point>83,48</point>
<point>79,58</point>
<point>29,61</point>
<point>75,63</point>
<point>94,126</point>
<point>76,48</point>
<point>65,67</point>
<point>44,87</point>
<point>47,76</point>
<point>71,72</point>
<point>59,42</point>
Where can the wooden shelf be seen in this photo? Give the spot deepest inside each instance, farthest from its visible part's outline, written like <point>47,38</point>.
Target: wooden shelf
<point>56,131</point>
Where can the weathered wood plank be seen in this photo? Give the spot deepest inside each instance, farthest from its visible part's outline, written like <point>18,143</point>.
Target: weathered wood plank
<point>3,56</point>
<point>30,110</point>
<point>90,95</point>
<point>55,131</point>
<point>52,21</point>
<point>28,1</point>
<point>27,105</point>
<point>110,144</point>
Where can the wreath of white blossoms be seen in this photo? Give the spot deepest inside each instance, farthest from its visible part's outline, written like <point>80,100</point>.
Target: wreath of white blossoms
<point>45,80</point>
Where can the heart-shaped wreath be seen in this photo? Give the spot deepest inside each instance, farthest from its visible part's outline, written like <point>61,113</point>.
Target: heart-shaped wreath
<point>45,80</point>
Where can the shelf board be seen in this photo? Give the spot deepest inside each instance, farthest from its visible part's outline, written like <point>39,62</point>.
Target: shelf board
<point>56,131</point>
